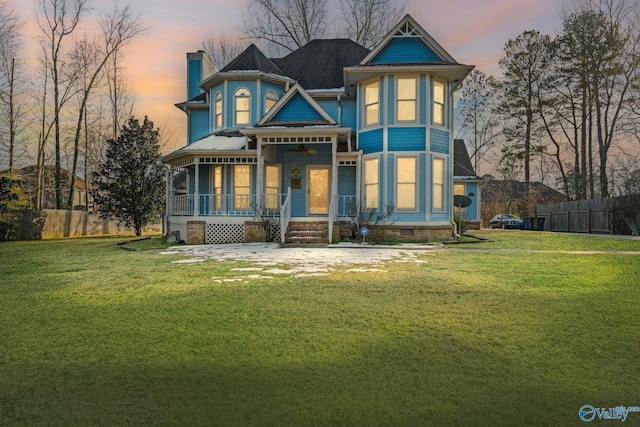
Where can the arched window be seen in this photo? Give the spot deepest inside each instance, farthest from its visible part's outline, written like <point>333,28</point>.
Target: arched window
<point>270,100</point>
<point>242,103</point>
<point>218,110</point>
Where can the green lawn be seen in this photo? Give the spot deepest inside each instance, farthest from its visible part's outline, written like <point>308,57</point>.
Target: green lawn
<point>95,335</point>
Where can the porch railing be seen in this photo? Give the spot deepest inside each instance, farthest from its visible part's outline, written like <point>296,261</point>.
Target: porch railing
<point>214,205</point>
<point>182,205</point>
<point>347,206</point>
<point>285,215</point>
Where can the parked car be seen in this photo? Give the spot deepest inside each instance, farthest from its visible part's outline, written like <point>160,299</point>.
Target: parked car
<point>505,221</point>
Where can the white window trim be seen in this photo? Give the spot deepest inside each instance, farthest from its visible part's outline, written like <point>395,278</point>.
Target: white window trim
<point>444,104</point>
<point>217,113</point>
<point>270,95</point>
<point>365,105</point>
<point>235,107</point>
<point>279,167</point>
<point>364,180</point>
<point>415,99</point>
<point>416,181</point>
<point>442,209</point>
<point>235,187</point>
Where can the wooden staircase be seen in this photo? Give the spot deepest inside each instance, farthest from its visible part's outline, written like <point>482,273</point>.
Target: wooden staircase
<point>307,233</point>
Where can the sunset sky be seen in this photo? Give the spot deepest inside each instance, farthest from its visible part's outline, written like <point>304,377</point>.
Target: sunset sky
<point>473,32</point>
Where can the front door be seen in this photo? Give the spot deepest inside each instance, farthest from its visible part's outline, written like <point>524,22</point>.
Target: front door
<point>318,189</point>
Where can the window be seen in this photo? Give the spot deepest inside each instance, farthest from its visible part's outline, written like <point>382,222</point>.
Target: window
<point>438,102</point>
<point>272,186</point>
<point>217,187</point>
<point>406,183</point>
<point>407,101</point>
<point>270,100</point>
<point>242,186</point>
<point>243,100</point>
<point>371,183</point>
<point>438,184</point>
<point>371,103</point>
<point>218,110</point>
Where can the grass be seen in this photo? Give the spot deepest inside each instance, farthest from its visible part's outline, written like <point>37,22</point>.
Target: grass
<point>95,335</point>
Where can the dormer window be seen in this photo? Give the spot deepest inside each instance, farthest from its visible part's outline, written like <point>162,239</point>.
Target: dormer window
<point>371,103</point>
<point>270,100</point>
<point>242,101</point>
<point>218,110</point>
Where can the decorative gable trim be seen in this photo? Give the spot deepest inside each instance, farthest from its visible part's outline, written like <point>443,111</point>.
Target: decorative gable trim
<point>295,89</point>
<point>409,28</point>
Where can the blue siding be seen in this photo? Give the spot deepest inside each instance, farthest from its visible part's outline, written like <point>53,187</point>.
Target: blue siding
<point>198,124</point>
<point>392,100</point>
<point>194,76</point>
<point>422,99</point>
<point>297,109</point>
<point>471,212</point>
<point>370,142</point>
<point>407,139</point>
<point>330,106</point>
<point>391,177</point>
<point>406,50</point>
<point>349,113</point>
<point>439,141</point>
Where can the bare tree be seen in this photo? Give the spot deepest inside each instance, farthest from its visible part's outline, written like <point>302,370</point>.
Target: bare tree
<point>479,118</point>
<point>367,21</point>
<point>118,29</point>
<point>58,19</point>
<point>285,24</point>
<point>11,107</point>
<point>223,49</point>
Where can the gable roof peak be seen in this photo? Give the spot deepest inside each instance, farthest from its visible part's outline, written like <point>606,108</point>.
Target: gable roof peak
<point>409,27</point>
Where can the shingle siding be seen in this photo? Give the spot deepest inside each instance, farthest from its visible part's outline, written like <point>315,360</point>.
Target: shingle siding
<point>439,141</point>
<point>406,50</point>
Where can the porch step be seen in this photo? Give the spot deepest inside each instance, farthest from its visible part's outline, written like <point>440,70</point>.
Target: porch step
<point>307,233</point>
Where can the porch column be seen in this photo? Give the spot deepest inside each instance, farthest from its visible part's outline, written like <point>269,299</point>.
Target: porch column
<point>196,188</point>
<point>334,185</point>
<point>259,173</point>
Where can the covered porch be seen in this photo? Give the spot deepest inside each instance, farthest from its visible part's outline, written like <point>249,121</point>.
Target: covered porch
<point>225,184</point>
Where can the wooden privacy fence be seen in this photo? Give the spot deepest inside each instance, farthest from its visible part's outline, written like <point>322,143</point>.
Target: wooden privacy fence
<point>580,216</point>
<point>51,223</point>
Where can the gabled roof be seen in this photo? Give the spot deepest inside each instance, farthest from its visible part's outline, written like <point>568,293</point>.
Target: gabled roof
<point>462,167</point>
<point>408,27</point>
<point>252,59</point>
<point>321,116</point>
<point>390,55</point>
<point>320,63</point>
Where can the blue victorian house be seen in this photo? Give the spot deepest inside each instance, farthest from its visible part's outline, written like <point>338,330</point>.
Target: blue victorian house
<point>312,139</point>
